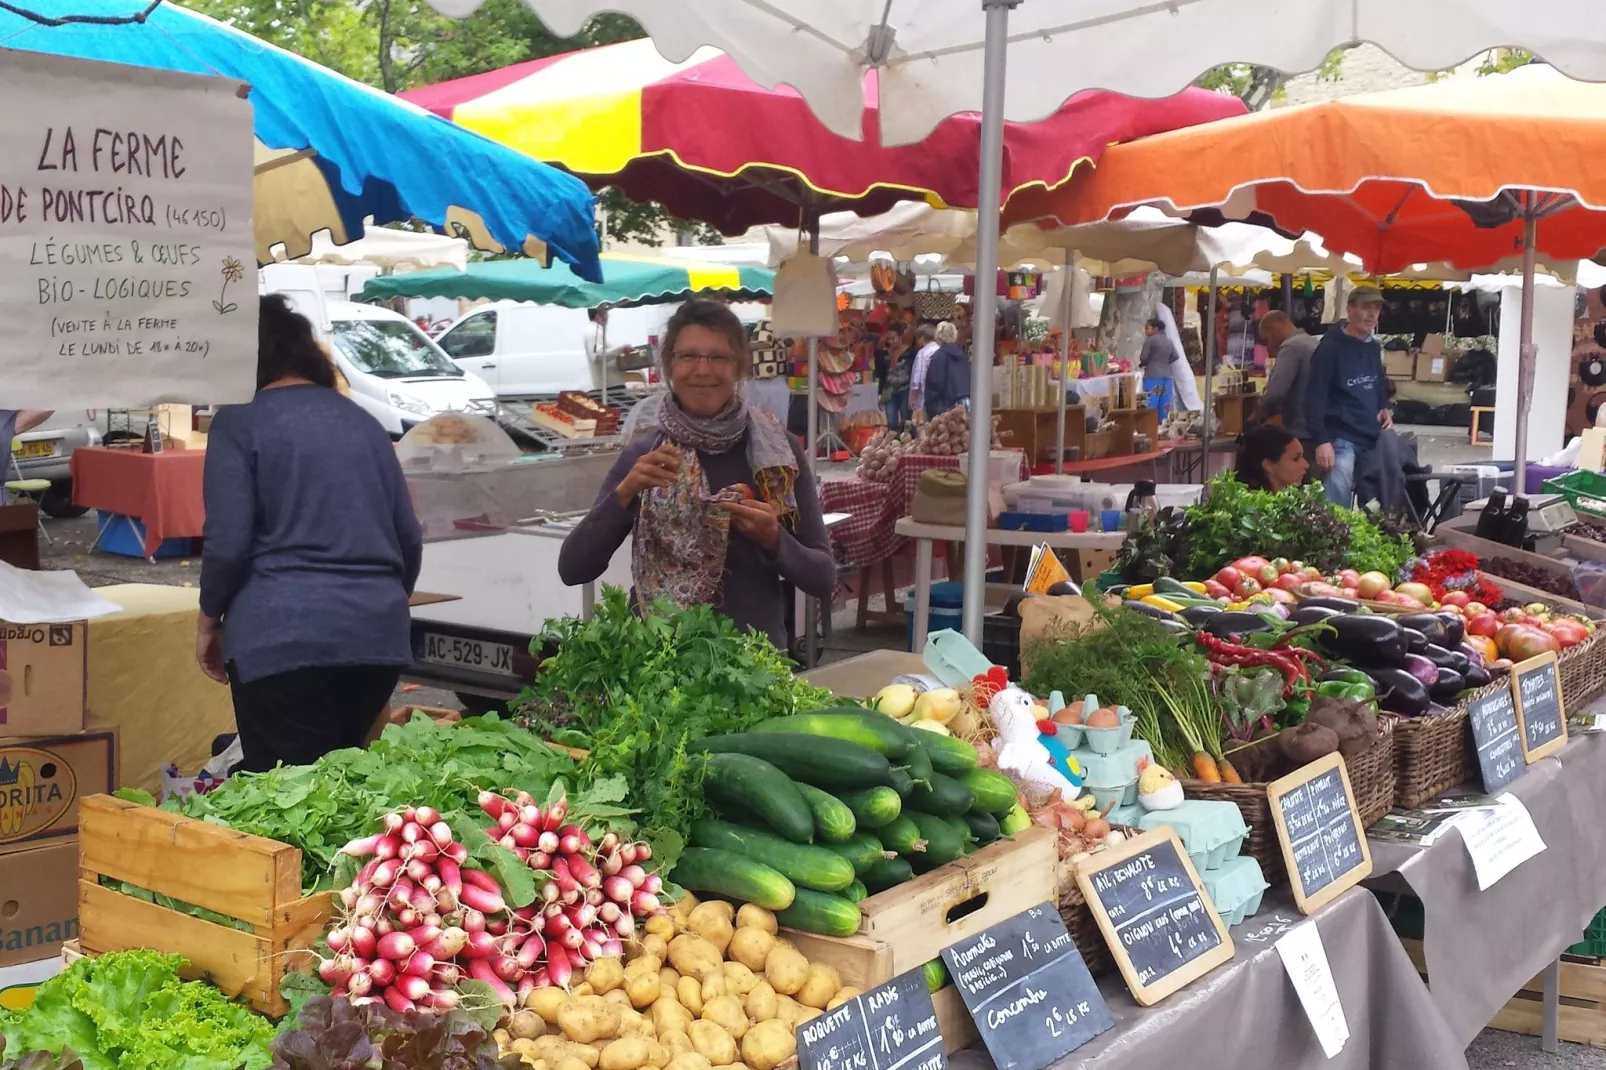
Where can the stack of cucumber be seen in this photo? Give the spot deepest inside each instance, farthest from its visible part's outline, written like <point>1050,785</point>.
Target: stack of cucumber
<point>817,811</point>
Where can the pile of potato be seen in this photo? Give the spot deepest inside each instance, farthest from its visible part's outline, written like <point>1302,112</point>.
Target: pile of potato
<point>706,987</point>
<point>879,458</point>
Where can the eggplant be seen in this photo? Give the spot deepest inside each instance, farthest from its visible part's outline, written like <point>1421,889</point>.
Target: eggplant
<point>1477,676</point>
<point>1309,614</point>
<point>1444,659</point>
<point>1429,624</point>
<point>1340,605</point>
<point>1365,640</point>
<point>1400,692</point>
<point>1234,622</point>
<point>1176,626</point>
<point>1455,629</point>
<point>1421,668</point>
<point>1147,610</point>
<point>1446,686</point>
<point>1459,662</point>
<point>1415,641</point>
<point>1197,615</point>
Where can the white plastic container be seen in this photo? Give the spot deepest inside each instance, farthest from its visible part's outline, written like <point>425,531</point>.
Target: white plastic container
<point>1003,466</point>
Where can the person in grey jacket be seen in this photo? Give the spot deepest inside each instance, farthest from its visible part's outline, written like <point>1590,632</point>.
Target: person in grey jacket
<point>1291,348</point>
<point>948,377</point>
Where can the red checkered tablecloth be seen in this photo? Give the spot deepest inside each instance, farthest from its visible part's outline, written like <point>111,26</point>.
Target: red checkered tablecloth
<point>868,538</point>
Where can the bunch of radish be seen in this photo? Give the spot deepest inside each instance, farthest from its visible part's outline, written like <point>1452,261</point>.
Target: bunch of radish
<point>593,894</point>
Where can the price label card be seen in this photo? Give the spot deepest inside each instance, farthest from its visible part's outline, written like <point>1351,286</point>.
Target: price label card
<point>1305,959</point>
<point>1537,686</point>
<point>1028,990</point>
<point>1324,845</point>
<point>1499,838</point>
<point>891,1027</point>
<point>1498,738</point>
<point>1159,924</point>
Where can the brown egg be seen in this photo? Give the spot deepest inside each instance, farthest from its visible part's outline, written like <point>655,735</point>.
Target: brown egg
<point>1071,714</point>
<point>1104,718</point>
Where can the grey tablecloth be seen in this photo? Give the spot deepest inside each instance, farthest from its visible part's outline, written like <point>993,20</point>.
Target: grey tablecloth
<point>1481,947</point>
<point>1245,1015</point>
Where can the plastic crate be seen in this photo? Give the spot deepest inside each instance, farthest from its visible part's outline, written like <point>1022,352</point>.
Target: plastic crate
<point>1000,642</point>
<point>1585,490</point>
<point>1593,945</point>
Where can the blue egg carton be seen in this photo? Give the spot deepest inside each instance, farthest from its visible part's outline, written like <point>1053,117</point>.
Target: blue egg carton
<point>1236,888</point>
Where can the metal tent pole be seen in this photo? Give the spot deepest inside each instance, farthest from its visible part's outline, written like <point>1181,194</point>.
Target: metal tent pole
<point>1527,353</point>
<point>1206,432</point>
<point>1067,319</point>
<point>811,605</point>
<point>984,310</point>
<point>602,345</point>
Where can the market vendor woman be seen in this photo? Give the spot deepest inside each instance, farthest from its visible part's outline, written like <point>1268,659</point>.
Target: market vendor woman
<point>717,501</point>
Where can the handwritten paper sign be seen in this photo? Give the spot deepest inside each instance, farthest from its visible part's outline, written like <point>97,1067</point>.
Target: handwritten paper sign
<point>1158,922</point>
<point>1497,738</point>
<point>1498,838</point>
<point>1028,990</point>
<point>1323,842</point>
<point>891,1027</point>
<point>127,264</point>
<point>1537,684</point>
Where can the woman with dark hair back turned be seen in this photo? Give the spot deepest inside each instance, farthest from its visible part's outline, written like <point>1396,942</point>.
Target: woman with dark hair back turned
<point>1271,458</point>
<point>717,502</point>
<point>311,552</point>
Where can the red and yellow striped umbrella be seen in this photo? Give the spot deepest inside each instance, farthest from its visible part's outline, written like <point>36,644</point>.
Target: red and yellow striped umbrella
<point>708,143</point>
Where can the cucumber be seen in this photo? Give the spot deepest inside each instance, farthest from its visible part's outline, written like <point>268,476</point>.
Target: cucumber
<point>902,783</point>
<point>807,867</point>
<point>856,892</point>
<point>953,757</point>
<point>735,876</point>
<point>945,796</point>
<point>982,826</point>
<point>833,820</point>
<point>853,724</point>
<point>995,793</point>
<point>873,807</point>
<point>832,764</point>
<point>887,873</point>
<point>917,763</point>
<point>936,975</point>
<point>944,836</point>
<point>817,912</point>
<point>902,836</point>
<point>1017,820</point>
<point>744,783</point>
<point>862,851</point>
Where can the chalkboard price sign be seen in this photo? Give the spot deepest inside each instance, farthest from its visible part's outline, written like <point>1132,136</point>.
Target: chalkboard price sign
<point>1159,924</point>
<point>1497,737</point>
<point>891,1027</point>
<point>1028,990</point>
<point>1537,684</point>
<point>1324,845</point>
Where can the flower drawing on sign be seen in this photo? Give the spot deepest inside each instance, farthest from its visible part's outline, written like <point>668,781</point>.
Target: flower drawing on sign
<point>232,271</point>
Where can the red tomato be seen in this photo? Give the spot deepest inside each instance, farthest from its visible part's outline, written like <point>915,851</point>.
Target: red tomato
<point>1349,578</point>
<point>1246,587</point>
<point>1229,577</point>
<point>1217,590</point>
<point>1280,594</point>
<point>1567,632</point>
<point>1250,564</point>
<point>1455,598</point>
<point>1281,564</point>
<point>1515,613</point>
<point>1309,572</point>
<point>1349,592</point>
<point>1484,624</point>
<point>1289,581</point>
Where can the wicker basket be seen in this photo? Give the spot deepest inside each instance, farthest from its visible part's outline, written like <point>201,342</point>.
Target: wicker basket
<point>1371,777</point>
<point>1433,754</point>
<point>1583,673</point>
<point>1095,444</point>
<point>1083,928</point>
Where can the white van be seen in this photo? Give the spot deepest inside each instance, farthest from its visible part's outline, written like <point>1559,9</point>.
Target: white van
<point>393,369</point>
<point>526,350</point>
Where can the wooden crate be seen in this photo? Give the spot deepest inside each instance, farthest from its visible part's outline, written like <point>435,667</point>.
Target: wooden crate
<point>1232,413</point>
<point>254,880</point>
<point>905,927</point>
<point>1131,422</point>
<point>1583,1006</point>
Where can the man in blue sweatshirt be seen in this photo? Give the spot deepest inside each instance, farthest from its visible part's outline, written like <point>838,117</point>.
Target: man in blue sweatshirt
<point>1346,396</point>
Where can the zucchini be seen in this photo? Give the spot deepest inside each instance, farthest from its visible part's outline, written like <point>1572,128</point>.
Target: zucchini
<point>744,784</point>
<point>982,826</point>
<point>887,873</point>
<point>856,892</point>
<point>995,793</point>
<point>945,797</point>
<point>902,836</point>
<point>944,836</point>
<point>873,807</point>
<point>807,867</point>
<point>852,724</point>
<point>832,764</point>
<point>950,756</point>
<point>833,820</point>
<point>817,912</point>
<point>862,851</point>
<point>1017,820</point>
<point>917,763</point>
<point>735,876</point>
<point>936,975</point>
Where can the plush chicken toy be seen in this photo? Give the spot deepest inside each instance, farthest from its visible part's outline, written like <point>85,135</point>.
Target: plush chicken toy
<point>1029,751</point>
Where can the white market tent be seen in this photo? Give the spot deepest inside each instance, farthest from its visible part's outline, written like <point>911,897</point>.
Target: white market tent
<point>390,250</point>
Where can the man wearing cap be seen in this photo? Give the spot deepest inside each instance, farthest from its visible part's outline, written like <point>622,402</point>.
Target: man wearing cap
<point>1346,396</point>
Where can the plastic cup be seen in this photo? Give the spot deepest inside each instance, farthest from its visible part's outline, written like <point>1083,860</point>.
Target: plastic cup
<point>1079,520</point>
<point>1110,519</point>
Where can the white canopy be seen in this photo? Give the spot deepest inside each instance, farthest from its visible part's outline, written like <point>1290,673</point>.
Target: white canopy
<point>393,250</point>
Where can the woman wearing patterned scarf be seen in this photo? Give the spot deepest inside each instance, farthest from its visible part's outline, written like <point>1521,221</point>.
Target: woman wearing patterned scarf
<point>717,501</point>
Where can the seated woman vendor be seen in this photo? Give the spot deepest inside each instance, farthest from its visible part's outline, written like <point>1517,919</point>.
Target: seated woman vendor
<point>719,506</point>
<point>1271,458</point>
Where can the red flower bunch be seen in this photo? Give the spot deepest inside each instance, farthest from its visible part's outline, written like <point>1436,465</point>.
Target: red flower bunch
<point>1443,571</point>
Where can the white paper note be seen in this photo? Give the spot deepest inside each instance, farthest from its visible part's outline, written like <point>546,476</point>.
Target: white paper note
<point>1305,959</point>
<point>48,597</point>
<point>1499,839</point>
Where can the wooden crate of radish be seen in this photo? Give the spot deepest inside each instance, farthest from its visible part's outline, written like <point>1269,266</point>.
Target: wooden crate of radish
<point>253,883</point>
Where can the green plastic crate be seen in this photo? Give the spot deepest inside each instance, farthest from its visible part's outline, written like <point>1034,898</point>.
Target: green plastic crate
<point>1585,490</point>
<point>1593,945</point>
<point>1107,579</point>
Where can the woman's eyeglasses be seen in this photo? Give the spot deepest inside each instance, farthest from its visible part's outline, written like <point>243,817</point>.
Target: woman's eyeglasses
<point>715,361</point>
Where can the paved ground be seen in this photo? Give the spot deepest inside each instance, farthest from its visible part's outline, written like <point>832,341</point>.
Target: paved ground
<point>1493,1050</point>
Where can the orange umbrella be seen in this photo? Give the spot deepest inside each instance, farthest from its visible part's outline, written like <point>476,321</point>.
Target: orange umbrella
<point>1467,170</point>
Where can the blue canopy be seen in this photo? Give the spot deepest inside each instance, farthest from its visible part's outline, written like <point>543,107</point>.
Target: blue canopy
<point>380,157</point>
